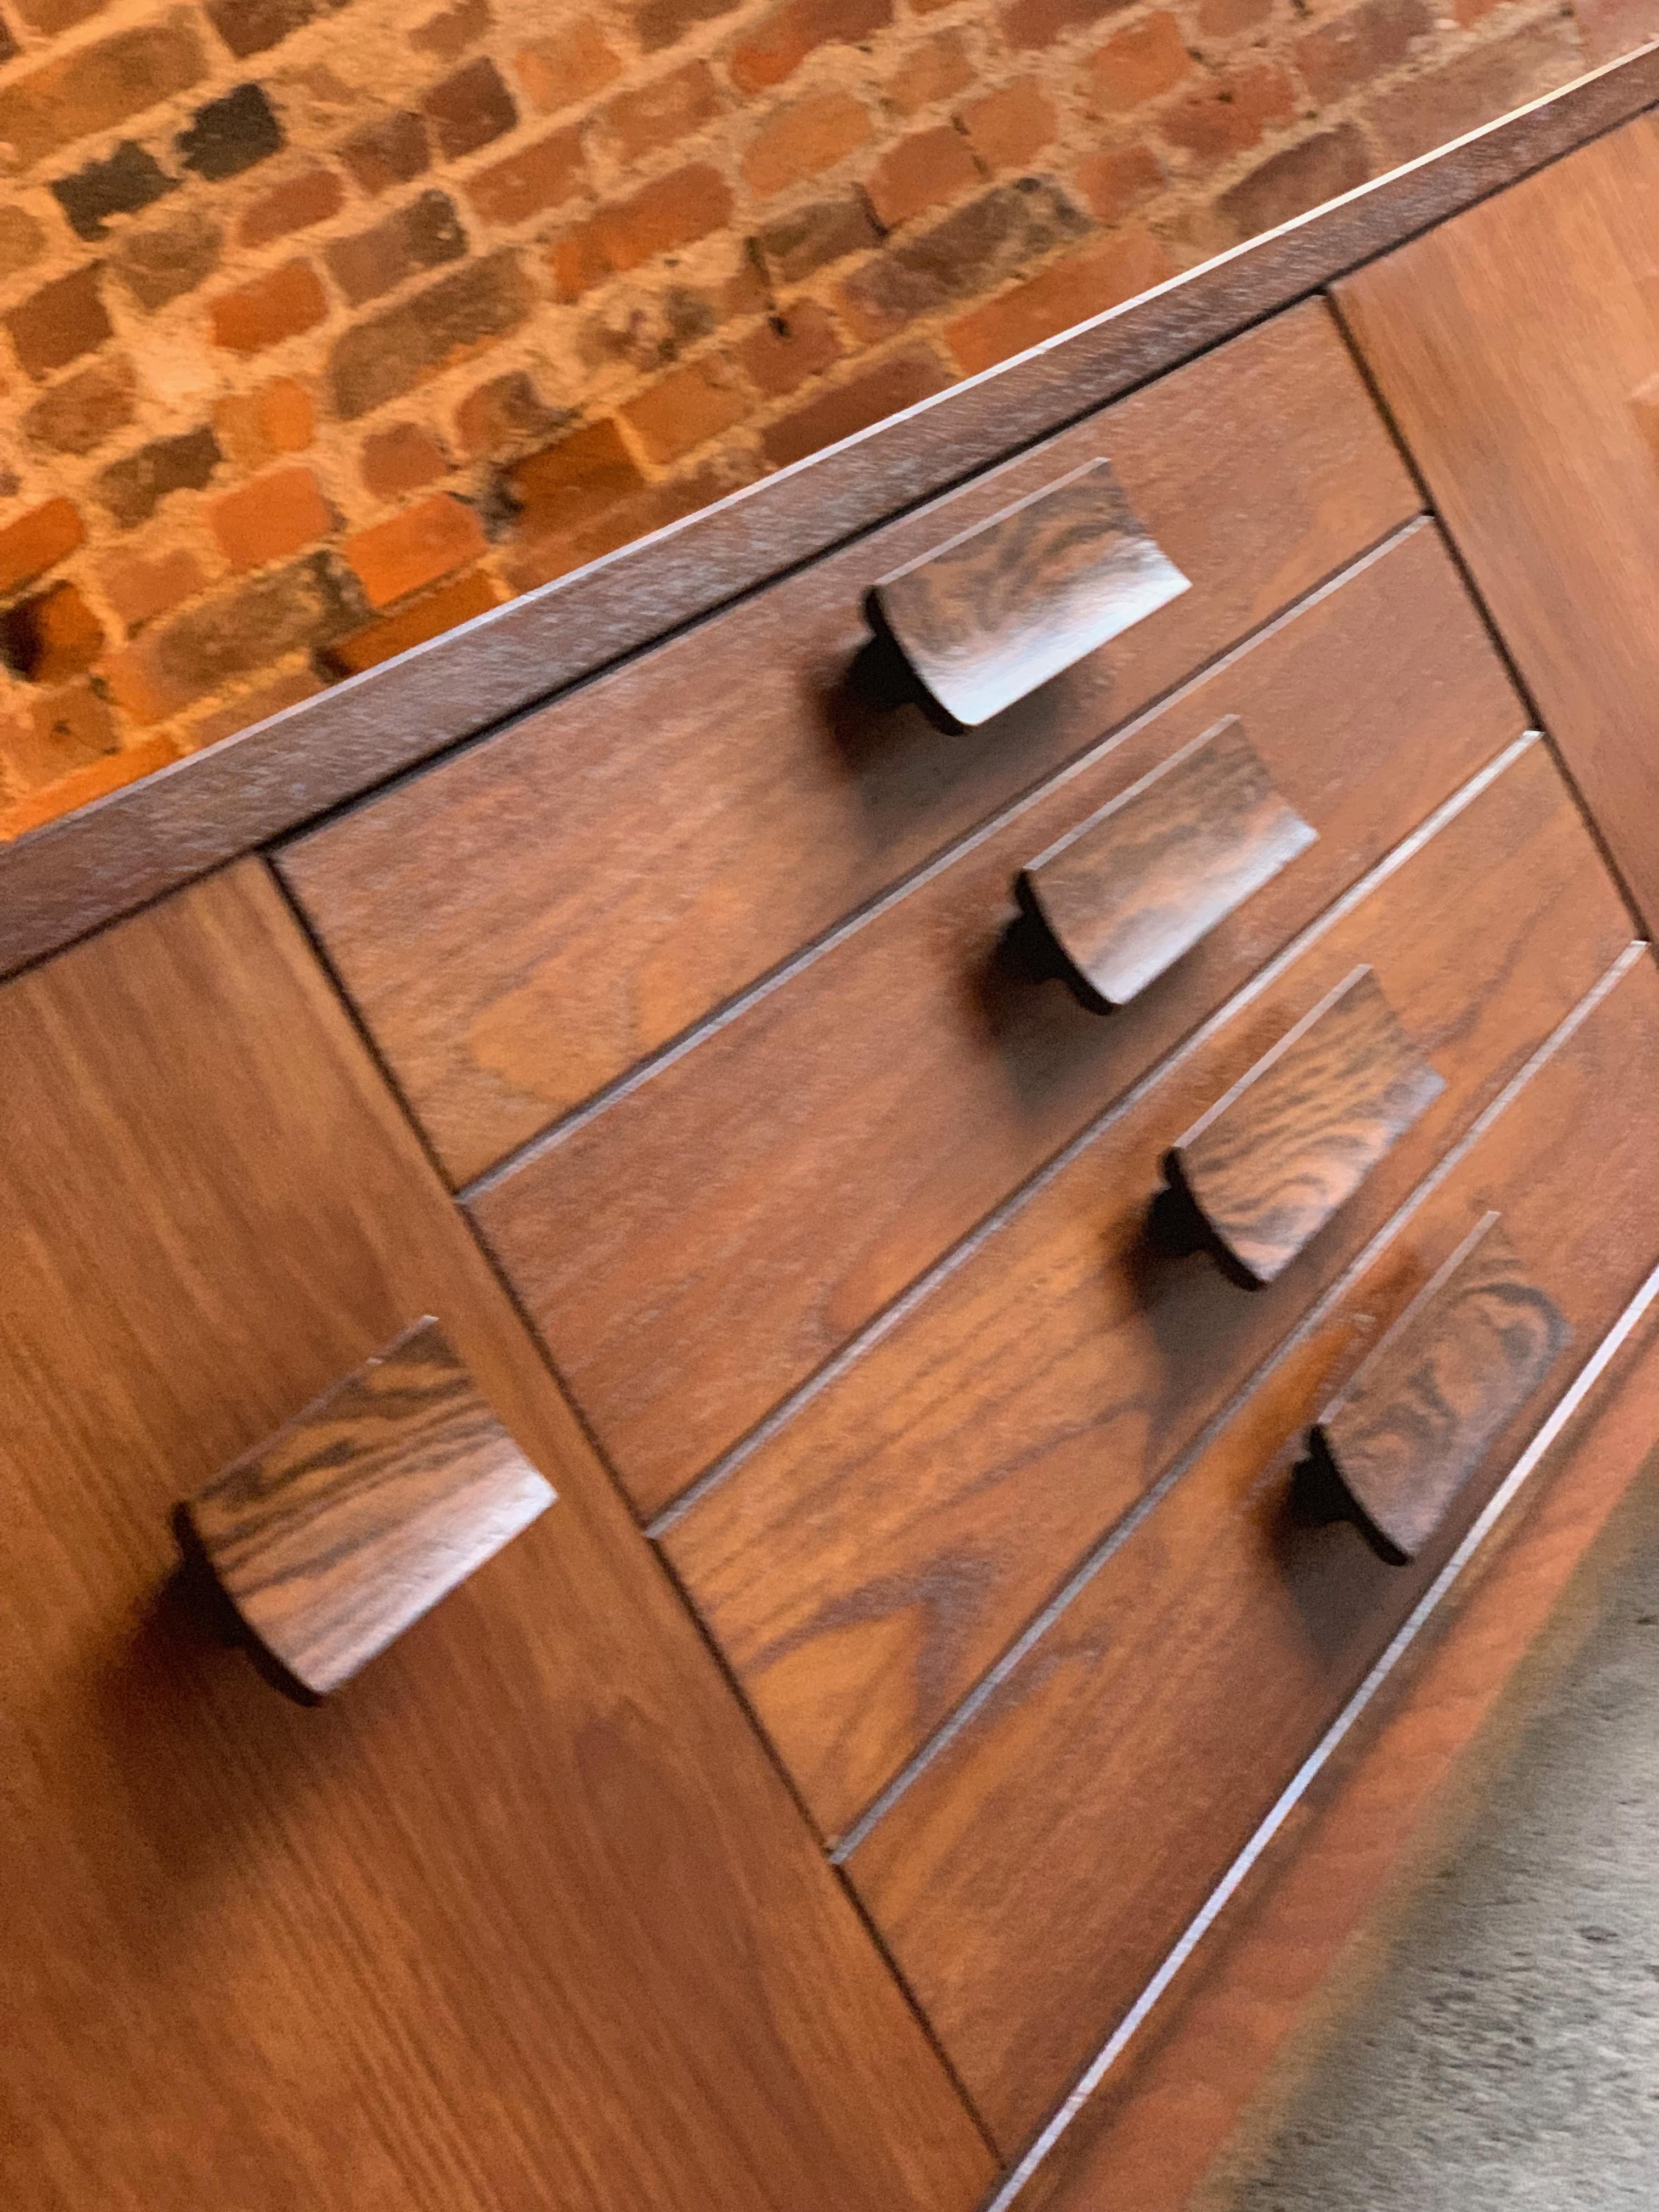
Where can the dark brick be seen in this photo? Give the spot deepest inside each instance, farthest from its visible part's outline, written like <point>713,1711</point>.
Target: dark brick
<point>453,30</point>
<point>97,87</point>
<point>162,264</point>
<point>504,413</point>
<point>59,323</point>
<point>423,235</point>
<point>1363,45</point>
<point>1291,182</point>
<point>808,238</point>
<point>569,483</point>
<point>230,135</point>
<point>387,152</point>
<point>8,44</point>
<point>22,241</point>
<point>393,352</point>
<point>79,413</point>
<point>51,637</point>
<point>470,108</point>
<point>253,26</point>
<point>68,729</point>
<point>899,381</point>
<point>972,249</point>
<point>134,488</point>
<point>660,22</point>
<point>52,16</point>
<point>242,631</point>
<point>130,179</point>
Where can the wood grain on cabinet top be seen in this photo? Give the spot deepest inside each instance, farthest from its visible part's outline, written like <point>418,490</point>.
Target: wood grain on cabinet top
<point>1036,1872</point>
<point>1511,347</point>
<point>523,924</point>
<point>863,1567</point>
<point>699,1247</point>
<point>523,1915</point>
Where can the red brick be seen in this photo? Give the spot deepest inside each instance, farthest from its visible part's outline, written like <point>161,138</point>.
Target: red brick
<point>66,730</point>
<point>673,211</point>
<point>1116,180</point>
<point>257,706</point>
<point>22,242</point>
<point>449,32</point>
<point>876,391</point>
<point>572,65</point>
<point>253,26</point>
<point>50,17</point>
<point>423,235</point>
<point>1365,43</point>
<point>503,413</point>
<point>1489,81</point>
<point>660,22</point>
<point>1609,28</point>
<point>657,114</point>
<point>86,784</point>
<point>456,602</point>
<point>774,48</point>
<point>930,72</point>
<point>271,519</point>
<point>788,349</point>
<point>1005,128</point>
<point>1230,115</point>
<point>141,587</point>
<point>470,109</point>
<point>76,414</point>
<point>802,140</point>
<point>1221,19</point>
<point>389,151</point>
<point>568,484</point>
<point>59,323</point>
<point>97,87</point>
<point>276,306</point>
<point>426,541</point>
<point>919,173</point>
<point>51,637</point>
<point>38,541</point>
<point>1028,23</point>
<point>401,459</point>
<point>651,507</point>
<point>1289,183</point>
<point>544,175</point>
<point>1066,293</point>
<point>1149,58</point>
<point>685,410</point>
<point>254,427</point>
<point>294,204</point>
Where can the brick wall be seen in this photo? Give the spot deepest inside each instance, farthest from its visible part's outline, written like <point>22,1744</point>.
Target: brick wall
<point>326,327</point>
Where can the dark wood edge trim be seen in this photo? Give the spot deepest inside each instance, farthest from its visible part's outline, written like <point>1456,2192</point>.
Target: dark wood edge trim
<point>61,881</point>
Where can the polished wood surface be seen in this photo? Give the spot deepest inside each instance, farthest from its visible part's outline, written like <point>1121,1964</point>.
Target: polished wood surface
<point>1296,1934</point>
<point>1033,1877</point>
<point>522,925</point>
<point>991,614</point>
<point>523,1916</point>
<point>1414,1423</point>
<point>338,1533</point>
<point>1265,1167</point>
<point>918,1070</point>
<point>871,1558</point>
<point>1508,346</point>
<point>270,778</point>
<point>1118,899</point>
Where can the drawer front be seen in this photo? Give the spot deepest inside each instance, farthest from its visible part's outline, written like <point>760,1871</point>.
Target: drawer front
<point>1034,1877</point>
<point>521,925</point>
<point>866,1564</point>
<point>689,1260</point>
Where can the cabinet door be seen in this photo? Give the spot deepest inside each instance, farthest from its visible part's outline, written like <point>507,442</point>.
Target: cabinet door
<point>521,1917</point>
<point>1517,348</point>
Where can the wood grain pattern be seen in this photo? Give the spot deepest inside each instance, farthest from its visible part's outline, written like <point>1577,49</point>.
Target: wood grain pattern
<point>1507,346</point>
<point>1294,1937</point>
<point>524,924</point>
<point>1267,1166</point>
<point>867,1563</point>
<point>525,1917</point>
<point>1121,897</point>
<point>335,1534</point>
<point>678,1223</point>
<point>1000,609</point>
<point>1414,1423</point>
<point>1189,1677</point>
<point>268,779</point>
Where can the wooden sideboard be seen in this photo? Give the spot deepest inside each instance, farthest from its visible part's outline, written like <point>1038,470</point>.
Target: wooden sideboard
<point>787,1344</point>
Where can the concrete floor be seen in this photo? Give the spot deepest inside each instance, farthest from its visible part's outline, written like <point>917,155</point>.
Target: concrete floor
<point>1506,2054</point>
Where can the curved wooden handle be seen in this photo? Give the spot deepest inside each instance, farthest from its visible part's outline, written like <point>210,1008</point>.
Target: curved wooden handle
<point>353,1519</point>
<point>1400,1443</point>
<point>1268,1166</point>
<point>1119,898</point>
<point>988,615</point>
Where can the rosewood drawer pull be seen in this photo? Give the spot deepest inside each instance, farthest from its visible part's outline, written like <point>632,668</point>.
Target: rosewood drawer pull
<point>349,1522</point>
<point>1397,1445</point>
<point>989,615</point>
<point>1121,897</point>
<point>1268,1166</point>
